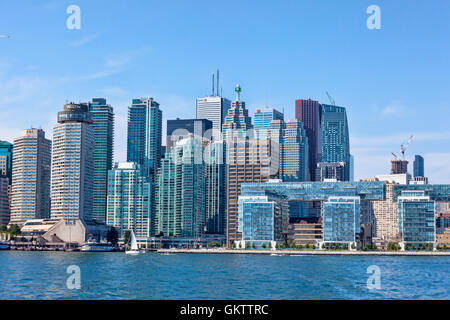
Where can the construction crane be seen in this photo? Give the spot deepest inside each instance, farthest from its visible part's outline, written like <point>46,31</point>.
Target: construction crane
<point>395,156</point>
<point>330,98</point>
<point>403,147</point>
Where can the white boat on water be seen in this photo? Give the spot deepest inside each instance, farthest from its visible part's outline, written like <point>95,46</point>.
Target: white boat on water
<point>97,247</point>
<point>134,249</point>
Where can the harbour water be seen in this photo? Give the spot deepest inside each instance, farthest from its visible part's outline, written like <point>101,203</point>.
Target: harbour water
<point>43,275</point>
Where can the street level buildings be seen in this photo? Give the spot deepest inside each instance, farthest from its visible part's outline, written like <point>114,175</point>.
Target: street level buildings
<point>31,172</point>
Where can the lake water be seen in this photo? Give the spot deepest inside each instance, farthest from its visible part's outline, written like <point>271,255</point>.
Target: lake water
<point>43,275</point>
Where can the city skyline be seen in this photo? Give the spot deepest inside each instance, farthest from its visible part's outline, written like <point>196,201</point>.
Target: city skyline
<point>389,87</point>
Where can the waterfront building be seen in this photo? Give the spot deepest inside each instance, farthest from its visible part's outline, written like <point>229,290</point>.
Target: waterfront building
<point>335,136</point>
<point>4,200</point>
<point>402,178</point>
<point>216,187</point>
<point>419,180</point>
<point>72,164</point>
<point>385,217</point>
<point>180,191</point>
<point>304,231</point>
<point>180,128</point>
<point>31,171</point>
<point>237,124</point>
<point>328,171</point>
<point>145,134</point>
<point>103,124</point>
<point>416,218</point>
<point>213,108</point>
<point>262,119</point>
<point>341,220</point>
<point>310,113</point>
<point>6,158</point>
<point>129,204</point>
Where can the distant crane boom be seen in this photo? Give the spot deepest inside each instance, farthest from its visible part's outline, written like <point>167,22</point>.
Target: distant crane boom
<point>330,98</point>
<point>403,147</point>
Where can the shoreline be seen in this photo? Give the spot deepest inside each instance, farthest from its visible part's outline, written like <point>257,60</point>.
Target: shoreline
<point>305,253</point>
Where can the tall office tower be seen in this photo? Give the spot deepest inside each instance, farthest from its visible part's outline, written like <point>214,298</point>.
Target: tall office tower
<point>294,152</point>
<point>399,166</point>
<point>237,123</point>
<point>6,154</point>
<point>419,166</point>
<point>213,108</point>
<point>262,121</point>
<point>129,199</point>
<point>335,137</point>
<point>310,112</point>
<point>30,195</point>
<point>247,161</point>
<point>73,164</point>
<point>180,128</point>
<point>145,134</point>
<point>103,123</point>
<point>180,194</point>
<point>352,168</point>
<point>216,188</point>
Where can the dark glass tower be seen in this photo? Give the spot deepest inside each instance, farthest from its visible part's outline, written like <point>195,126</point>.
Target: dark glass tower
<point>309,112</point>
<point>419,170</point>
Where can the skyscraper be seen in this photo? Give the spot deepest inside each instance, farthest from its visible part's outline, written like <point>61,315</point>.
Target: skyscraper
<point>103,123</point>
<point>237,123</point>
<point>419,170</point>
<point>310,112</point>
<point>294,152</point>
<point>180,195</point>
<point>6,154</point>
<point>145,134</point>
<point>335,136</point>
<point>129,199</point>
<point>262,119</point>
<point>213,108</point>
<point>30,196</point>
<point>180,128</point>
<point>73,164</point>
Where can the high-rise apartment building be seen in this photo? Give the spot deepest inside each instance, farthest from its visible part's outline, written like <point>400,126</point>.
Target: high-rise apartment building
<point>335,136</point>
<point>30,195</point>
<point>341,219</point>
<point>310,112</point>
<point>73,164</point>
<point>180,190</point>
<point>145,134</point>
<point>180,128</point>
<point>419,170</point>
<point>129,200</point>
<point>103,124</point>
<point>6,155</point>
<point>262,119</point>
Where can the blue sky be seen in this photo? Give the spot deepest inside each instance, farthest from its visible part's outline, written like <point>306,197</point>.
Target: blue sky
<point>394,82</point>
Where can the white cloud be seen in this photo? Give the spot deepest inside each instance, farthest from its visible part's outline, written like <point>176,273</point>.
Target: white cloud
<point>394,108</point>
<point>84,40</point>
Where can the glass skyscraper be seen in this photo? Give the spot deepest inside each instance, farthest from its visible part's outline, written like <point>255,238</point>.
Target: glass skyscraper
<point>145,134</point>
<point>6,154</point>
<point>103,124</point>
<point>335,136</point>
<point>180,128</point>
<point>180,194</point>
<point>30,195</point>
<point>73,164</point>
<point>262,119</point>
<point>213,108</point>
<point>129,199</point>
<point>419,170</point>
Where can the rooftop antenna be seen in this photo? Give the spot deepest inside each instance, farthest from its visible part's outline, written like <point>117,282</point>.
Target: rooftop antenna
<point>212,84</point>
<point>238,92</point>
<point>217,81</point>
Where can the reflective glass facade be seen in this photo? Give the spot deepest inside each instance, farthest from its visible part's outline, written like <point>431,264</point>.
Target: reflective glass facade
<point>341,219</point>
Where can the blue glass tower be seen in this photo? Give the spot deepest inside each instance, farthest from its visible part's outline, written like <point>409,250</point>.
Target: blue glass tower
<point>335,137</point>
<point>145,134</point>
<point>419,170</point>
<point>262,121</point>
<point>103,124</point>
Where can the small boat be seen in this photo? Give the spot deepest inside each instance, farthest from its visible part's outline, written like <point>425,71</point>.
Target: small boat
<point>4,245</point>
<point>97,247</point>
<point>134,249</point>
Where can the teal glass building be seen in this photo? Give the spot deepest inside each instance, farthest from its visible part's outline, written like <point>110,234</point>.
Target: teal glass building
<point>129,204</point>
<point>103,124</point>
<point>262,119</point>
<point>6,154</point>
<point>335,136</point>
<point>144,134</point>
<point>341,219</point>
